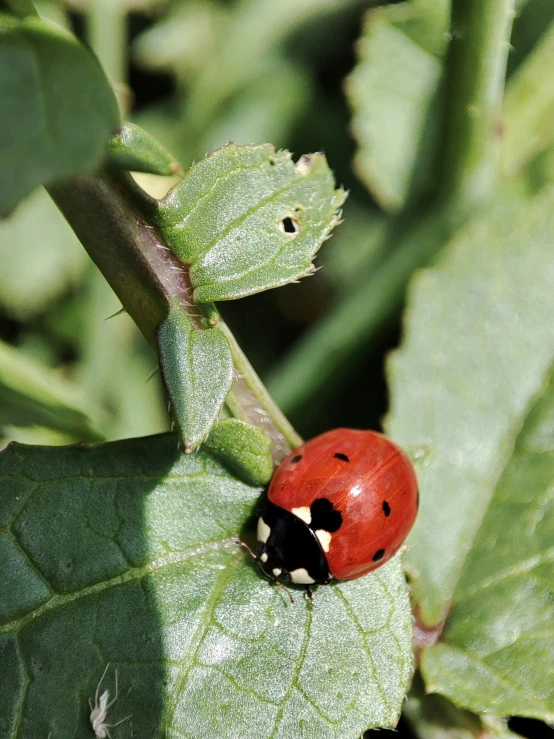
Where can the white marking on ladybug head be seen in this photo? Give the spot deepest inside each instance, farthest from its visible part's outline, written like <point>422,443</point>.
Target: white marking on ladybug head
<point>276,571</point>
<point>263,530</point>
<point>324,539</point>
<point>301,577</point>
<point>264,557</point>
<point>304,513</point>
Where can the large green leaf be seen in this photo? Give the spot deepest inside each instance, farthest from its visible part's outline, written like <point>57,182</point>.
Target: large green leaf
<point>498,645</point>
<point>58,110</point>
<point>391,93</point>
<point>247,218</point>
<point>473,371</point>
<point>126,554</point>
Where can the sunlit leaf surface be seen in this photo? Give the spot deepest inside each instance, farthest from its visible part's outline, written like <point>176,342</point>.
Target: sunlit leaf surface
<point>126,553</point>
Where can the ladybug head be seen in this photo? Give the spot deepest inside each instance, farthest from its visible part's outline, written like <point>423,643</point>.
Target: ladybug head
<point>271,564</point>
<point>289,550</point>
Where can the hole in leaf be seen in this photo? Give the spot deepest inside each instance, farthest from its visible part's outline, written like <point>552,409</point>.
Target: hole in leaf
<point>289,225</point>
<point>272,161</point>
<point>529,727</point>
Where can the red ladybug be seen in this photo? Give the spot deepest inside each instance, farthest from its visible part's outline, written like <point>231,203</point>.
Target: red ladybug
<point>338,507</point>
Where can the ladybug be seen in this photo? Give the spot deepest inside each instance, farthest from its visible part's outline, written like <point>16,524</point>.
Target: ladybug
<point>338,507</point>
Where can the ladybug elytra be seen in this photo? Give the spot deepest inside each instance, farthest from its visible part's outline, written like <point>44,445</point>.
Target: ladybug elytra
<point>339,506</point>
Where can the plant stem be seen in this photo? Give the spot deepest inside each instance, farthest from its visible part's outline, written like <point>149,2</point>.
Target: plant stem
<point>124,248</point>
<point>112,224</point>
<point>474,84</point>
<point>257,399</point>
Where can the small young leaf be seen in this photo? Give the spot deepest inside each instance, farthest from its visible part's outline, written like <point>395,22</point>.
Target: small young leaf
<point>243,449</point>
<point>126,554</point>
<point>247,218</point>
<point>58,110</point>
<point>474,370</point>
<point>197,369</point>
<point>136,150</point>
<point>391,93</point>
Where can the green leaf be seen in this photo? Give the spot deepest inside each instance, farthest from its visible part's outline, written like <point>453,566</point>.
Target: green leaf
<point>197,368</point>
<point>40,257</point>
<point>135,149</point>
<point>243,449</point>
<point>32,395</point>
<point>391,93</point>
<point>126,554</point>
<point>58,110</point>
<point>473,372</point>
<point>498,643</point>
<point>247,218</point>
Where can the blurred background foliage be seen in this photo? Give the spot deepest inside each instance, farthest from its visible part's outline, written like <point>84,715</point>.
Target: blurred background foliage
<point>362,84</point>
<point>359,82</point>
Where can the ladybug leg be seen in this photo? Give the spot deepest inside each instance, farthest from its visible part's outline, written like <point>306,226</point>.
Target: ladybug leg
<point>287,591</point>
<point>245,546</point>
<point>309,595</point>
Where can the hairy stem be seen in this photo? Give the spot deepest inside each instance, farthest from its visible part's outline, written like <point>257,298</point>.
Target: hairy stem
<point>474,85</point>
<point>249,398</point>
<point>112,224</point>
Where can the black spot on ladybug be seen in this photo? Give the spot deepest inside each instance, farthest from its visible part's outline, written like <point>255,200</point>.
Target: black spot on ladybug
<point>325,516</point>
<point>344,458</point>
<point>296,459</point>
<point>379,554</point>
<point>386,508</point>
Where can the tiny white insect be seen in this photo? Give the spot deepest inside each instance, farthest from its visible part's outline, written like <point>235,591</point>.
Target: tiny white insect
<point>99,711</point>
